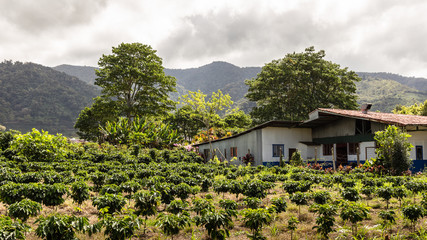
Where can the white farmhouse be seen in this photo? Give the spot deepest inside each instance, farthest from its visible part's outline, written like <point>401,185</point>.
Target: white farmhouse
<point>327,134</point>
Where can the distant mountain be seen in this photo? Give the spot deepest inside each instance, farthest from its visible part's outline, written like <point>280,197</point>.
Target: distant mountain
<point>384,90</point>
<point>84,73</point>
<point>34,96</point>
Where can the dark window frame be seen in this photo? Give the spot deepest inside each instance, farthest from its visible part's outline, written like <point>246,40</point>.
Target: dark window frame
<point>327,149</point>
<point>352,148</point>
<point>276,152</point>
<point>419,155</point>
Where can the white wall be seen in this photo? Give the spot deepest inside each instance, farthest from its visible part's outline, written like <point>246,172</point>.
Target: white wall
<point>243,143</point>
<point>418,138</point>
<point>290,137</point>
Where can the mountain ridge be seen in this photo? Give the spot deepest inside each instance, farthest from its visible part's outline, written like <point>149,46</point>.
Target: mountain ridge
<point>230,78</point>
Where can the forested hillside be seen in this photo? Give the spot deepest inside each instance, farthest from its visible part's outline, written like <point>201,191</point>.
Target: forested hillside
<point>384,90</point>
<point>32,95</point>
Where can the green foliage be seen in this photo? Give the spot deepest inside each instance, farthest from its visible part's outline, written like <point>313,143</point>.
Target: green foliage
<point>35,96</point>
<point>252,202</point>
<point>24,209</point>
<point>171,223</point>
<point>140,131</point>
<point>6,138</point>
<point>291,87</point>
<point>296,186</point>
<point>299,198</point>
<point>228,204</point>
<point>53,194</point>
<point>90,118</point>
<point>296,159</point>
<point>10,229</point>
<point>325,219</point>
<point>133,77</point>
<point>416,109</point>
<point>37,146</point>
<point>350,194</point>
<point>177,206</point>
<point>114,202</point>
<point>120,227</point>
<point>182,190</point>
<point>393,150</point>
<point>255,188</point>
<point>279,204</point>
<point>321,197</point>
<point>385,193</point>
<point>387,217</point>
<point>292,224</point>
<point>216,222</point>
<point>413,213</point>
<point>146,202</point>
<point>255,219</point>
<point>80,192</point>
<point>200,204</point>
<point>354,212</point>
<point>60,227</point>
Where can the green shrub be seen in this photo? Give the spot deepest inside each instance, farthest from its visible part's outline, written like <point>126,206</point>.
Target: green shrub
<point>38,146</point>
<point>24,209</point>
<point>114,202</point>
<point>80,192</point>
<point>60,227</point>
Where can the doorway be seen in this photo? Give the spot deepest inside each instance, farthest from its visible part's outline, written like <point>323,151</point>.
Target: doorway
<point>342,154</point>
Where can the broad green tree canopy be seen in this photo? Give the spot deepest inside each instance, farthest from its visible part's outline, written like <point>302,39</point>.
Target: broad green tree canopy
<point>290,88</point>
<point>133,77</point>
<point>133,84</point>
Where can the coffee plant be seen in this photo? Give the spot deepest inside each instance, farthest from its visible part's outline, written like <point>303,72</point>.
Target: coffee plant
<point>24,209</point>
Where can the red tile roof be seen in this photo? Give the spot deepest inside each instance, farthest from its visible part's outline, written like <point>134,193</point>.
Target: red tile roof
<point>388,118</point>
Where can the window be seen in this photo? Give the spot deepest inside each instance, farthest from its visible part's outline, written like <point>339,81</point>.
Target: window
<point>327,149</point>
<point>233,152</point>
<point>352,148</point>
<point>278,149</point>
<point>363,127</point>
<point>419,152</point>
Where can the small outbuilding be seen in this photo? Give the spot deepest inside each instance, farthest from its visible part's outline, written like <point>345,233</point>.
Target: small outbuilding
<point>346,136</point>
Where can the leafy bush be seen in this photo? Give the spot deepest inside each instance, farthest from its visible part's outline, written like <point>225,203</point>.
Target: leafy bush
<point>24,209</point>
<point>255,219</point>
<point>280,204</point>
<point>60,227</point>
<point>393,150</point>
<point>171,223</point>
<point>325,219</point>
<point>10,229</point>
<point>177,206</point>
<point>120,227</point>
<point>252,202</point>
<point>321,197</point>
<point>216,222</point>
<point>114,202</point>
<point>296,159</point>
<point>38,146</point>
<point>354,212</point>
<point>200,204</point>
<point>413,213</point>
<point>80,192</point>
<point>385,193</point>
<point>350,194</point>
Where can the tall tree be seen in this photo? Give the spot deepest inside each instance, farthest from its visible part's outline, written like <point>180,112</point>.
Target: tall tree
<point>133,84</point>
<point>292,87</point>
<point>133,77</point>
<point>207,110</point>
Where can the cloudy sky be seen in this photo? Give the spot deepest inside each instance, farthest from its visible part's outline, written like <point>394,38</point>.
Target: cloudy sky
<point>363,35</point>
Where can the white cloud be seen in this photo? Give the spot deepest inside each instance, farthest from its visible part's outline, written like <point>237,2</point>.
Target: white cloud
<point>380,35</point>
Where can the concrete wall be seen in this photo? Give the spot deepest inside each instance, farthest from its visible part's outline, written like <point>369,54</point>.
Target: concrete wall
<point>243,143</point>
<point>418,138</point>
<point>289,137</point>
